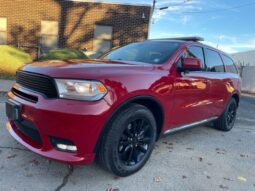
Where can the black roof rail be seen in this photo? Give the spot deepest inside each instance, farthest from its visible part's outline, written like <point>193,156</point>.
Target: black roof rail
<point>195,38</point>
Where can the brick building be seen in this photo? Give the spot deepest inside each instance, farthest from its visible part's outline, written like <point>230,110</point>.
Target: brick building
<point>79,24</point>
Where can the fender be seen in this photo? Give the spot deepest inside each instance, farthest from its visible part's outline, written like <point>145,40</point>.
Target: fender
<point>232,95</point>
<point>123,105</point>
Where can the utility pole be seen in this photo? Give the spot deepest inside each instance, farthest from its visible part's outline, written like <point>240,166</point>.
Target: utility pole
<point>177,4</point>
<point>153,6</point>
<point>151,15</point>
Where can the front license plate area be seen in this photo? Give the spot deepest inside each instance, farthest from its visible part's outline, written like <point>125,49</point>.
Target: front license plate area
<point>13,110</point>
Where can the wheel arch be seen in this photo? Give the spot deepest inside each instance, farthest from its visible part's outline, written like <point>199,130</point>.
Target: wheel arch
<point>236,96</point>
<point>149,102</point>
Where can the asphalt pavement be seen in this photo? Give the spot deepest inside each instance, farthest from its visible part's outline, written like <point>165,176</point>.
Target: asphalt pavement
<point>201,158</point>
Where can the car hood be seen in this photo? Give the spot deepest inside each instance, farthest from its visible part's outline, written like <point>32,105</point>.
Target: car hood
<point>85,68</point>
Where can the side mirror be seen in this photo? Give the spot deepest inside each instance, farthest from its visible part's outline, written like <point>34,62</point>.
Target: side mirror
<point>191,64</point>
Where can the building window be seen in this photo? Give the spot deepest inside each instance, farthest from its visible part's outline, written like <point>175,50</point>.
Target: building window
<point>49,35</point>
<point>102,38</point>
<point>3,30</point>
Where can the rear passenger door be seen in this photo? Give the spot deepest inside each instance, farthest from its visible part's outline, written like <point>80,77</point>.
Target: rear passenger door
<point>218,80</point>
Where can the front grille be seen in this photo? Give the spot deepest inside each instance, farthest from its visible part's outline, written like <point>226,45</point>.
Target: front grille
<point>24,95</point>
<point>38,83</point>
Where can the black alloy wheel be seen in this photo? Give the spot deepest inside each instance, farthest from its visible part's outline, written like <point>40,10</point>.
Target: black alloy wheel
<point>231,114</point>
<point>227,120</point>
<point>135,141</point>
<point>128,141</point>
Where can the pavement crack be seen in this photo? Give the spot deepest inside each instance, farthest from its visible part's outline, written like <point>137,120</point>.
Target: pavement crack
<point>13,148</point>
<point>65,178</point>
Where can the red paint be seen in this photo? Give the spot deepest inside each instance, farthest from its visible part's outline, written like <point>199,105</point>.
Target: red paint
<point>184,98</point>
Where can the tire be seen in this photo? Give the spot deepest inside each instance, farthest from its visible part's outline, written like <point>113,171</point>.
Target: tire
<point>129,141</point>
<point>227,120</point>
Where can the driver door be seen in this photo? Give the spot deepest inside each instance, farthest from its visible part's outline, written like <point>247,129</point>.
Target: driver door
<point>191,92</point>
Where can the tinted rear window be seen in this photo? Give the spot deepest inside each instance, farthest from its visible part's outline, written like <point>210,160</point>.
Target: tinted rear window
<point>229,64</point>
<point>147,52</point>
<point>214,62</point>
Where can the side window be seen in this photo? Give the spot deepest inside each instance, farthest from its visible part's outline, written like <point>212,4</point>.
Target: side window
<point>49,35</point>
<point>214,62</point>
<point>196,52</point>
<point>193,52</point>
<point>102,38</point>
<point>229,64</point>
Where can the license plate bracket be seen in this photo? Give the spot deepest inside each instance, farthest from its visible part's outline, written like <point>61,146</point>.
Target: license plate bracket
<point>13,110</point>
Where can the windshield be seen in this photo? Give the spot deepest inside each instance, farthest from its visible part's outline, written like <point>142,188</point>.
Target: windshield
<point>153,52</point>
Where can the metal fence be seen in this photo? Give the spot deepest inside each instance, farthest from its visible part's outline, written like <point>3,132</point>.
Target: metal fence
<point>248,79</point>
<point>34,50</point>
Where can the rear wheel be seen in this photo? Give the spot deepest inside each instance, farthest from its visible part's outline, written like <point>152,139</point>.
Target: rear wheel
<point>227,119</point>
<point>128,144</point>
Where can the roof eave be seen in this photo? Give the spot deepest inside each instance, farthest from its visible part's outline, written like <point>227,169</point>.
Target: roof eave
<point>112,3</point>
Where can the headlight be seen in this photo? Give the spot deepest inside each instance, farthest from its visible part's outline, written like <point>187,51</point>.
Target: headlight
<point>80,89</point>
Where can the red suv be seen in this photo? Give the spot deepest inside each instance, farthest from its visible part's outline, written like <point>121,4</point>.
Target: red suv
<point>115,108</point>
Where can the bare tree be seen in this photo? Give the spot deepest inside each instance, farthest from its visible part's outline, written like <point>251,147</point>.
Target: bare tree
<point>77,25</point>
<point>241,65</point>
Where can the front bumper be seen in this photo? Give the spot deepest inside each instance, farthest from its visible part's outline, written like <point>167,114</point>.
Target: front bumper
<point>78,121</point>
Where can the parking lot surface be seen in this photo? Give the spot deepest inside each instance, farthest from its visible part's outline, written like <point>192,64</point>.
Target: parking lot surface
<point>201,158</point>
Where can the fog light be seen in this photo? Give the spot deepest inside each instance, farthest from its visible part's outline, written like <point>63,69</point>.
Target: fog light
<point>71,148</point>
<point>63,144</point>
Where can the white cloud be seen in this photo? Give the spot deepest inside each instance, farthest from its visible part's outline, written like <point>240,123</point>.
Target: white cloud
<point>228,44</point>
<point>163,3</point>
<point>185,19</point>
<point>231,39</point>
<point>175,10</point>
<point>167,35</point>
<point>234,46</point>
<point>158,15</point>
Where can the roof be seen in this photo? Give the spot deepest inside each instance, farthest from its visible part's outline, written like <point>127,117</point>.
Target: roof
<point>113,3</point>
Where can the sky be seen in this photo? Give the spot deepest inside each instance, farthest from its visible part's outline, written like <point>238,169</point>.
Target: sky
<point>226,24</point>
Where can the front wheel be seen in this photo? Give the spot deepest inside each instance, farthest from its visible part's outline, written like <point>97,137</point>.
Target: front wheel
<point>227,119</point>
<point>128,144</point>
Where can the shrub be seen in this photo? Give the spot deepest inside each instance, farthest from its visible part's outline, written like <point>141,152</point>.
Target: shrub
<point>63,54</point>
<point>11,59</point>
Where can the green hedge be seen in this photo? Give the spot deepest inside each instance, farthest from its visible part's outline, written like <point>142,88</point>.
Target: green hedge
<point>11,59</point>
<point>63,54</point>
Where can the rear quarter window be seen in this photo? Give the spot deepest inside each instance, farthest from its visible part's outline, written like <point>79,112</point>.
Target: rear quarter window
<point>229,65</point>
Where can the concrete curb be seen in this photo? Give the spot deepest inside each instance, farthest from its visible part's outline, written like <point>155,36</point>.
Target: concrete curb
<point>248,94</point>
